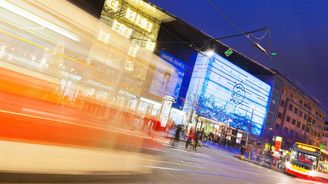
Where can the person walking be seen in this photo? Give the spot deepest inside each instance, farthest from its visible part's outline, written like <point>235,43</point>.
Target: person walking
<point>177,136</point>
<point>190,137</point>
<point>197,138</point>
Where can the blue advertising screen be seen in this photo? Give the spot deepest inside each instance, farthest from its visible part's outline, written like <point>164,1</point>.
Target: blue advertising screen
<point>167,81</point>
<point>227,93</point>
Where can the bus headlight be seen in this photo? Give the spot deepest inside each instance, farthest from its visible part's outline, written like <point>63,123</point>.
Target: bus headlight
<point>312,173</point>
<point>288,165</point>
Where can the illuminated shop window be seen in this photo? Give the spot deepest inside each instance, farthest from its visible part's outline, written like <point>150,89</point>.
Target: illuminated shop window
<point>129,65</point>
<point>103,36</point>
<point>144,23</point>
<point>121,29</point>
<point>133,50</point>
<point>139,20</point>
<point>130,15</point>
<point>150,45</point>
<point>113,4</point>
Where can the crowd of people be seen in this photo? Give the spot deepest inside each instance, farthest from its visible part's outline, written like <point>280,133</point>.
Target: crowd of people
<point>193,137</point>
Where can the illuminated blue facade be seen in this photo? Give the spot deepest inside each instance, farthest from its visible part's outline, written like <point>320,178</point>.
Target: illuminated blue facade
<point>222,91</point>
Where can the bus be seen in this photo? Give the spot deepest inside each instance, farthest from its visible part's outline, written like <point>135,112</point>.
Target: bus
<point>70,103</point>
<point>305,162</point>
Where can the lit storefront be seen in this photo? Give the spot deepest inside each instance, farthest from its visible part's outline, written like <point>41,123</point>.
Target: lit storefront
<point>146,83</point>
<point>225,93</point>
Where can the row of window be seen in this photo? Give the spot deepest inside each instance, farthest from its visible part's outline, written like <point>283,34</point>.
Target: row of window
<point>308,130</point>
<point>299,111</point>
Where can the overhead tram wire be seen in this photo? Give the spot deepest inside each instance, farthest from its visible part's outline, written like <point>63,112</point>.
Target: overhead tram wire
<point>266,29</point>
<point>237,27</point>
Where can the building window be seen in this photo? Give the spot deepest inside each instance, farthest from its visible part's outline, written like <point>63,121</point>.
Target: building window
<point>290,107</point>
<point>296,110</point>
<point>315,133</point>
<point>300,114</point>
<point>279,115</point>
<point>303,127</point>
<point>305,116</point>
<point>307,129</point>
<point>313,121</point>
<point>298,124</point>
<point>288,119</point>
<point>301,102</point>
<point>282,103</point>
<point>286,129</point>
<point>293,121</point>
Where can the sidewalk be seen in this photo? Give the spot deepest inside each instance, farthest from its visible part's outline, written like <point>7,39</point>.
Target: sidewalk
<point>221,147</point>
<point>236,153</point>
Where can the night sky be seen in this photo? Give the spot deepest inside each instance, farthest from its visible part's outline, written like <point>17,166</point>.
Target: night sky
<point>299,34</point>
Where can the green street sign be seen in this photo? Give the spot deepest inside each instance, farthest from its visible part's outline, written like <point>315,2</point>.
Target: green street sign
<point>228,52</point>
<point>274,54</point>
<point>322,146</point>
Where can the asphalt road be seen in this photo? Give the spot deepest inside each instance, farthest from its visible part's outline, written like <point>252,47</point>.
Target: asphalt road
<point>207,165</point>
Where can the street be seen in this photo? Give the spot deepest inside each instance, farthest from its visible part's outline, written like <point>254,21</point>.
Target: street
<point>207,165</point>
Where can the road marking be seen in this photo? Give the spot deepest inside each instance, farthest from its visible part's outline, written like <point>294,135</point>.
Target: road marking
<point>175,163</point>
<point>202,173</point>
<point>200,154</point>
<point>164,168</point>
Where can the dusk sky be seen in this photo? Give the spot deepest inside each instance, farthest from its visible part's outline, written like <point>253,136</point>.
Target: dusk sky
<point>299,34</point>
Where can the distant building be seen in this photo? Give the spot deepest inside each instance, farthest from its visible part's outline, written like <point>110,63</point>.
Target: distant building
<point>324,138</point>
<point>294,115</point>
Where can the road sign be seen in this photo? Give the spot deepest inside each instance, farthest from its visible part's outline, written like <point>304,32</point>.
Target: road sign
<point>228,52</point>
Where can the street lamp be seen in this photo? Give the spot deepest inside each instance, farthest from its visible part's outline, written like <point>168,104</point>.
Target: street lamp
<point>209,53</point>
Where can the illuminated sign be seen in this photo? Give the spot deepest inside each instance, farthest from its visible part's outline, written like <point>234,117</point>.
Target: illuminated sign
<point>139,20</point>
<point>307,148</point>
<point>113,4</point>
<point>150,45</point>
<point>147,44</point>
<point>168,80</point>
<point>130,15</point>
<point>228,52</point>
<point>129,65</point>
<point>103,36</point>
<point>133,50</point>
<point>122,29</point>
<point>223,91</point>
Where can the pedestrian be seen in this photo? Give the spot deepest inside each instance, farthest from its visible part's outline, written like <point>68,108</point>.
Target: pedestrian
<point>197,138</point>
<point>177,136</point>
<point>190,137</point>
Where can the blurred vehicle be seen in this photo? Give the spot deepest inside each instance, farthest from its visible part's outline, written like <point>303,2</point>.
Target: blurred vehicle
<point>69,101</point>
<point>304,162</point>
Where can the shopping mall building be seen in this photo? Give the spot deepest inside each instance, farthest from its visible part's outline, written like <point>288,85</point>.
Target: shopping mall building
<point>172,71</point>
<point>164,61</point>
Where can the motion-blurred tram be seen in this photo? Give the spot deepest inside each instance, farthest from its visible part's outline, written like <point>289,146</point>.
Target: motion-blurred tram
<point>70,102</point>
